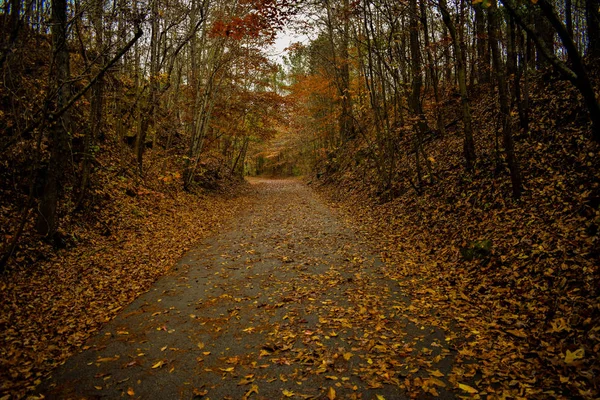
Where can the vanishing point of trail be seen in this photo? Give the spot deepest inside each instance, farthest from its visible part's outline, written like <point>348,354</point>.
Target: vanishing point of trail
<point>285,302</point>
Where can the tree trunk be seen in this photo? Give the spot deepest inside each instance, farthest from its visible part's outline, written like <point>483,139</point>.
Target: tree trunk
<point>593,29</point>
<point>569,16</point>
<point>546,34</point>
<point>415,68</point>
<point>483,54</point>
<point>505,118</point>
<point>522,76</point>
<point>511,54</point>
<point>341,67</point>
<point>47,222</point>
<point>441,127</point>
<point>447,59</point>
<point>96,106</point>
<point>346,120</point>
<point>147,114</point>
<point>468,144</point>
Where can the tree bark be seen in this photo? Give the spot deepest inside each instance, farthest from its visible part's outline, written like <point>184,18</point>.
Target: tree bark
<point>593,29</point>
<point>346,121</point>
<point>96,105</point>
<point>434,76</point>
<point>47,221</point>
<point>468,143</point>
<point>147,114</point>
<point>415,67</point>
<point>505,118</point>
<point>483,54</point>
<point>546,35</point>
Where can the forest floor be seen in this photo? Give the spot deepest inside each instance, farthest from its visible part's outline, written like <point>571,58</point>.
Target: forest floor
<point>286,301</point>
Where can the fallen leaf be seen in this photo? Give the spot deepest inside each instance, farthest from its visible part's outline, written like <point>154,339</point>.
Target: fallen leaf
<point>467,388</point>
<point>107,359</point>
<point>246,380</point>
<point>436,382</point>
<point>518,333</point>
<point>253,389</point>
<point>436,372</point>
<point>331,393</point>
<point>578,354</point>
<point>158,364</point>
<point>200,392</point>
<point>263,353</point>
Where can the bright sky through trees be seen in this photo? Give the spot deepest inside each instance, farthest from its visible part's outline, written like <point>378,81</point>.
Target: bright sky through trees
<point>282,42</point>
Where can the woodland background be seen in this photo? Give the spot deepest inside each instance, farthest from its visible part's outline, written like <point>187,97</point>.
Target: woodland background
<point>462,138</point>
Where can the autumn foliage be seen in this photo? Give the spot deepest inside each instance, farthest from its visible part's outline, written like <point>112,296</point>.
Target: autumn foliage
<point>460,139</point>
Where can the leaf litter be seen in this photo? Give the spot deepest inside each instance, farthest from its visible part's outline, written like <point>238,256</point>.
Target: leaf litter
<point>327,324</point>
<point>49,310</point>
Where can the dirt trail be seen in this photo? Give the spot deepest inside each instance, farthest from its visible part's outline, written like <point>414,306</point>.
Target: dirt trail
<point>287,302</point>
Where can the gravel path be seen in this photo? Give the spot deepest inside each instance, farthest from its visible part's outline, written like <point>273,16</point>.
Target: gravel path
<point>287,302</point>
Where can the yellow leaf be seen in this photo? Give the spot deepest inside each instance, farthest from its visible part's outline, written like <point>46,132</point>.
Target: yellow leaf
<point>436,381</point>
<point>288,393</point>
<point>576,355</point>
<point>130,392</point>
<point>467,388</point>
<point>163,348</point>
<point>517,333</point>
<point>246,380</point>
<point>200,392</point>
<point>380,397</point>
<point>331,393</point>
<point>437,373</point>
<point>158,364</point>
<point>106,359</point>
<point>230,369</point>
<point>200,345</point>
<point>253,389</point>
<point>348,356</point>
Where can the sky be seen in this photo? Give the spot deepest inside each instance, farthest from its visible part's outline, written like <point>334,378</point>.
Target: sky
<point>284,39</point>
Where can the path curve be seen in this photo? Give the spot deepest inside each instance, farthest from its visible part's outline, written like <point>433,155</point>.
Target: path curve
<point>286,302</point>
